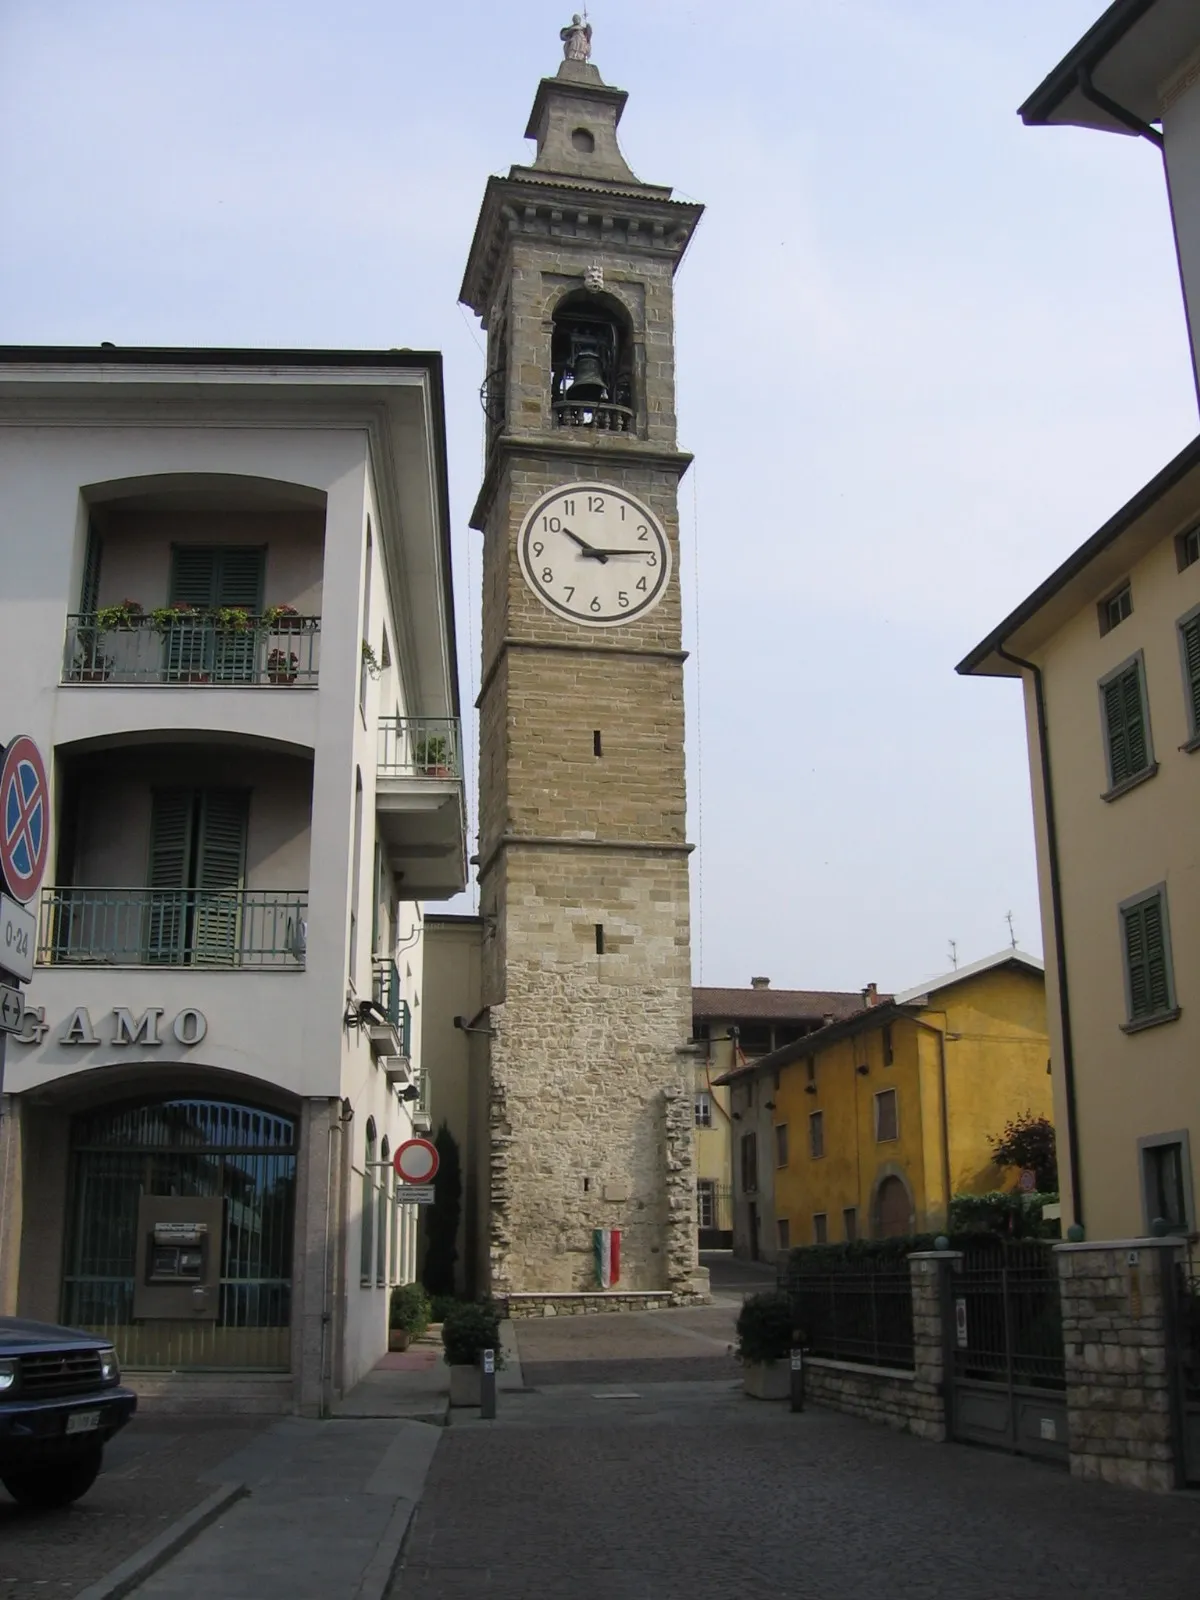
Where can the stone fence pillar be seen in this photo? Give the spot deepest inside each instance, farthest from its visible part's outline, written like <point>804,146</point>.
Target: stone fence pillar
<point>929,1271</point>
<point>1120,1387</point>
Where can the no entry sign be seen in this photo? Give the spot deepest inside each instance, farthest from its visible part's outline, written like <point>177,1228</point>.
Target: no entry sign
<point>416,1161</point>
<point>24,818</point>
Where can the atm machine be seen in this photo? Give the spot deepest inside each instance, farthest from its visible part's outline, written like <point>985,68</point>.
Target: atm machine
<point>178,1258</point>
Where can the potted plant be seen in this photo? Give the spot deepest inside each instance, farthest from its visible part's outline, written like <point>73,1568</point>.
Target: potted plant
<point>765,1339</point>
<point>124,615</point>
<point>468,1330</point>
<point>282,666</point>
<point>408,1315</point>
<point>371,661</point>
<point>230,619</point>
<point>164,618</point>
<point>429,755</point>
<point>282,619</point>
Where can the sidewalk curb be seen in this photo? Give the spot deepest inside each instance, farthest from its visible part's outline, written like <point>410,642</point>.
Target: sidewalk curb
<point>381,1568</point>
<point>126,1577</point>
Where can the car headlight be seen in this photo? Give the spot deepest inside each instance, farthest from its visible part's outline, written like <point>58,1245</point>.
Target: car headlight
<point>8,1374</point>
<point>110,1370</point>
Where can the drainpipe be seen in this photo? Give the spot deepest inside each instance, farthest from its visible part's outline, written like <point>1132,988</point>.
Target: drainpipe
<point>1144,130</point>
<point>944,1109</point>
<point>1056,910</point>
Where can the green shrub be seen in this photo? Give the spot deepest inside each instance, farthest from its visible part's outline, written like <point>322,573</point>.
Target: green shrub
<point>764,1328</point>
<point>469,1329</point>
<point>440,1304</point>
<point>409,1309</point>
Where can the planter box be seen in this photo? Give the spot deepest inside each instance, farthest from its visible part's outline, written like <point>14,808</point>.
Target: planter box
<point>398,1338</point>
<point>465,1386</point>
<point>768,1380</point>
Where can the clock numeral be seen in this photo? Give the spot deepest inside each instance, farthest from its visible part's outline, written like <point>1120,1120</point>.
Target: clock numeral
<point>570,591</point>
<point>622,599</point>
<point>568,508</point>
<point>595,605</point>
<point>595,502</point>
<point>538,547</point>
<point>651,559</point>
<point>641,584</point>
<point>551,524</point>
<point>622,513</point>
<point>547,575</point>
<point>643,532</point>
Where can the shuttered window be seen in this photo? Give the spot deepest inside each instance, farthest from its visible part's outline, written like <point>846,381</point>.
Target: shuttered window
<point>206,577</point>
<point>1189,636</point>
<point>1148,980</point>
<point>197,846</point>
<point>816,1134</point>
<point>887,1118</point>
<point>749,1163</point>
<point>1125,726</point>
<point>89,588</point>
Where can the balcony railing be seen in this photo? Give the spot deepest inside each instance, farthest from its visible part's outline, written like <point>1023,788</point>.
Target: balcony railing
<point>602,416</point>
<point>386,992</point>
<point>191,649</point>
<point>210,928</point>
<point>420,747</point>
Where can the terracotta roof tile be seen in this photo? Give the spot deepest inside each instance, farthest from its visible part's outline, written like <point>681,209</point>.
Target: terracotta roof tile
<point>775,1005</point>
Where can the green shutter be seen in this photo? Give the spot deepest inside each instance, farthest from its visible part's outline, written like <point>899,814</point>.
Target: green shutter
<point>1191,661</point>
<point>239,580</point>
<point>219,877</point>
<point>172,813</point>
<point>193,580</point>
<point>1146,959</point>
<point>89,589</point>
<point>1125,724</point>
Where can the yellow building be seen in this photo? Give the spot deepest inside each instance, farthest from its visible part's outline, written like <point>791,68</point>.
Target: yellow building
<point>1109,651</point>
<point>877,1119</point>
<point>731,1027</point>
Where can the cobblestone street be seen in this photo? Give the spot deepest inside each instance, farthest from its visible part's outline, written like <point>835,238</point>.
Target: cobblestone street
<point>629,1487</point>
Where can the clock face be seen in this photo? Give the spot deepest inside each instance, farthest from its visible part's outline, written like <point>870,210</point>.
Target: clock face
<point>594,554</point>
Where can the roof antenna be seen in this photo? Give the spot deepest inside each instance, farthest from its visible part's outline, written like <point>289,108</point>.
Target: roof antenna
<point>954,954</point>
<point>1012,938</point>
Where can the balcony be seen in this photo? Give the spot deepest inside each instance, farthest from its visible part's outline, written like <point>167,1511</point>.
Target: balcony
<point>391,1037</point>
<point>246,929</point>
<point>421,804</point>
<point>176,645</point>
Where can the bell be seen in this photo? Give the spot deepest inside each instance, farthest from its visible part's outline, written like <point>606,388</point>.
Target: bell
<point>588,383</point>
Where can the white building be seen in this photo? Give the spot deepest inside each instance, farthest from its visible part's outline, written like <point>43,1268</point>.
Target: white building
<point>228,623</point>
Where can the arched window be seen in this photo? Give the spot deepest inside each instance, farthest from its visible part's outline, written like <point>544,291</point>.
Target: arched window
<point>366,1253</point>
<point>893,1210</point>
<point>591,360</point>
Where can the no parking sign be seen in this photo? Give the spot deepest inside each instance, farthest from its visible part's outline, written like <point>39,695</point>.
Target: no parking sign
<point>24,818</point>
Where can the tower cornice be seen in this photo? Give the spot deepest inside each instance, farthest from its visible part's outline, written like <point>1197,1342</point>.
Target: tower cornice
<point>595,215</point>
<point>591,450</point>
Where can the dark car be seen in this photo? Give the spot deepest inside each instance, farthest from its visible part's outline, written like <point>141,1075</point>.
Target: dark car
<point>61,1400</point>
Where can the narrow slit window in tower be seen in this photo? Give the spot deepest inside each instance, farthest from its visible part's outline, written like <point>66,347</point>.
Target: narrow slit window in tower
<point>596,749</point>
<point>599,938</point>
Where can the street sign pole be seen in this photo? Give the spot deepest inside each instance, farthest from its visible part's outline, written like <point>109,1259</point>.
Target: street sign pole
<point>487,1386</point>
<point>797,1374</point>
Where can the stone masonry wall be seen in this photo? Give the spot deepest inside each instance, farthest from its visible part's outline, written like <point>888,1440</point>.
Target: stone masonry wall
<point>911,1401</point>
<point>1115,1343</point>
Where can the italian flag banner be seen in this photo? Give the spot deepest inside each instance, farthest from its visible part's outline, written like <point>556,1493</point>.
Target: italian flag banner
<point>606,1247</point>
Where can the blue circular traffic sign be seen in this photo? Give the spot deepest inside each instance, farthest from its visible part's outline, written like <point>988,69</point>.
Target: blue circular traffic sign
<point>24,818</point>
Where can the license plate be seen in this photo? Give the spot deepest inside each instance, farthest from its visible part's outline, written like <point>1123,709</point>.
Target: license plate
<point>83,1421</point>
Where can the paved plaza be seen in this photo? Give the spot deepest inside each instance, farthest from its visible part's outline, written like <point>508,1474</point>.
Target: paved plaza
<point>625,1464</point>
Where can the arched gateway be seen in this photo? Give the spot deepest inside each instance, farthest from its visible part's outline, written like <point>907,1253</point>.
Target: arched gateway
<point>224,1276</point>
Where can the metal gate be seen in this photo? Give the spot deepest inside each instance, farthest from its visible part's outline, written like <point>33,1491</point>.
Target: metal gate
<point>1186,1343</point>
<point>1006,1350</point>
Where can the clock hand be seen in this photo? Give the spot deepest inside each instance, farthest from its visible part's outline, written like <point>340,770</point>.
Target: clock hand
<point>588,550</point>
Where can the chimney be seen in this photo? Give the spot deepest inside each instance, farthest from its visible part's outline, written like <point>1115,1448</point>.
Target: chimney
<point>827,1019</point>
<point>871,995</point>
<point>760,983</point>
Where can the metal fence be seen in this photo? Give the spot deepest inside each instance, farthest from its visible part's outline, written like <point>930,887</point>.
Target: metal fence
<point>87,927</point>
<point>857,1311</point>
<point>192,649</point>
<point>1008,1315</point>
<point>420,747</point>
<point>386,983</point>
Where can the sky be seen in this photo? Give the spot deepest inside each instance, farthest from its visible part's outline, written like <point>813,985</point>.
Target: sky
<point>923,352</point>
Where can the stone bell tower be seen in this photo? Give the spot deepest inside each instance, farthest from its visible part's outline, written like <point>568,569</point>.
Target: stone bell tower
<point>583,859</point>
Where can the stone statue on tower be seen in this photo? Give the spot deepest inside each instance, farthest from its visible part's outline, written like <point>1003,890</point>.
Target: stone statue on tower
<point>577,39</point>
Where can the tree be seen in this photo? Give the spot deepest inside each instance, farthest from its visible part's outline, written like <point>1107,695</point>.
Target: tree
<point>1028,1142</point>
<point>441,1227</point>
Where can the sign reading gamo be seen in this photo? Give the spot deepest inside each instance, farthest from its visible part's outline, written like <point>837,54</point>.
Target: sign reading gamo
<point>189,1027</point>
